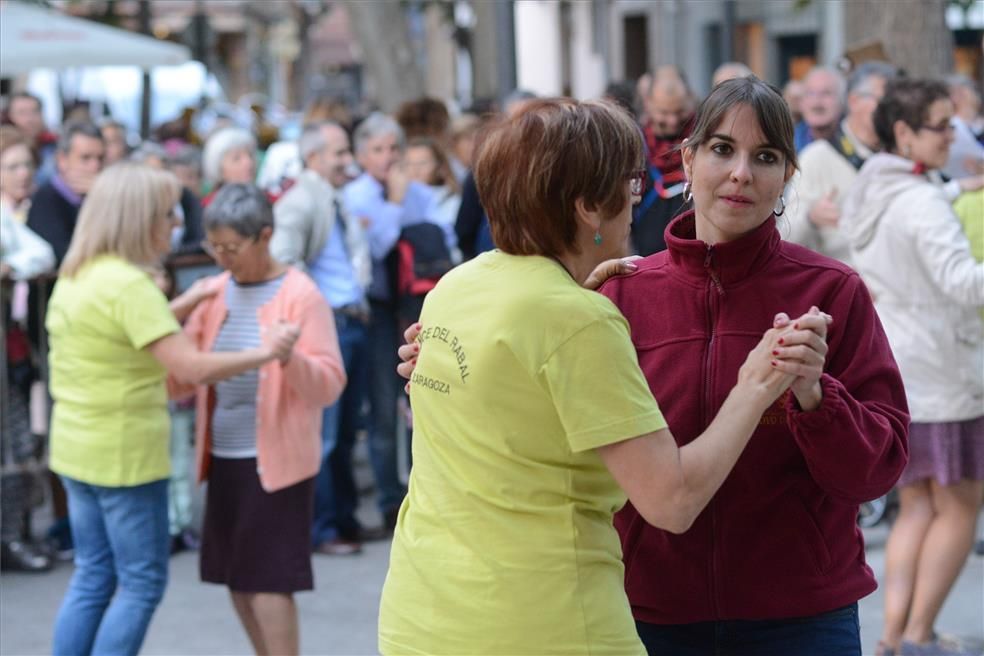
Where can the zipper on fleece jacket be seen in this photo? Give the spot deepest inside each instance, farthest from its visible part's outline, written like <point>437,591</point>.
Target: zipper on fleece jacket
<point>712,299</point>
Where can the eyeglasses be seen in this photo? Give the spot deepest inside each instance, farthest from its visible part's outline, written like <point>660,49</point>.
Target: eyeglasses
<point>942,128</point>
<point>226,249</point>
<point>637,181</point>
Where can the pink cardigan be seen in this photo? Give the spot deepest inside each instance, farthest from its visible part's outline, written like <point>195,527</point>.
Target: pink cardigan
<point>290,399</point>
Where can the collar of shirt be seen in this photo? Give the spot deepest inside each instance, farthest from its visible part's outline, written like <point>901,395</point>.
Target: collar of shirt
<point>66,192</point>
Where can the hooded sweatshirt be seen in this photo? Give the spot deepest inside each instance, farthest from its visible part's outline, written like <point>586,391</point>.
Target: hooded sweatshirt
<point>910,248</point>
<point>779,539</point>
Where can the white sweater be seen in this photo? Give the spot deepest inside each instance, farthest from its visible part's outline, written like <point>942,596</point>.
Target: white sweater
<point>911,250</point>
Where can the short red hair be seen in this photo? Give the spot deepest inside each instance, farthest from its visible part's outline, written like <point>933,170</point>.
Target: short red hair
<point>532,166</point>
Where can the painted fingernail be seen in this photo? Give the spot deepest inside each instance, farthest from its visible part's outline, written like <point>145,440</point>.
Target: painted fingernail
<point>773,363</point>
<point>414,362</point>
<point>416,348</point>
<point>782,341</point>
<point>775,353</point>
<point>796,326</point>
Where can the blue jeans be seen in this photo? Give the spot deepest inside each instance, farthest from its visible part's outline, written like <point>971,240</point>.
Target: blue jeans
<point>836,633</point>
<point>336,495</point>
<point>385,387</point>
<point>121,541</point>
<point>182,453</point>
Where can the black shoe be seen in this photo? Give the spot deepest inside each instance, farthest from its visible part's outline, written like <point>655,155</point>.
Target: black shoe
<point>191,540</point>
<point>186,540</point>
<point>23,557</point>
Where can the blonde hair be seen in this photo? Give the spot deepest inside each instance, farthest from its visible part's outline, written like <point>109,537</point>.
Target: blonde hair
<point>119,215</point>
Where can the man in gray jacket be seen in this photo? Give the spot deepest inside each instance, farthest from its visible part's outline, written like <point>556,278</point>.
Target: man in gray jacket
<point>314,232</point>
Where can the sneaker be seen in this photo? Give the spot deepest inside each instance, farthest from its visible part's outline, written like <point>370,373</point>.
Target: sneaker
<point>339,547</point>
<point>191,540</point>
<point>937,647</point>
<point>884,650</point>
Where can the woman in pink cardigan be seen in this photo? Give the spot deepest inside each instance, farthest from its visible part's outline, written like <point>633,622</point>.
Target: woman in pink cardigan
<point>258,435</point>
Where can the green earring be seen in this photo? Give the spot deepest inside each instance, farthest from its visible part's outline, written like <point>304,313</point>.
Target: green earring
<point>597,238</point>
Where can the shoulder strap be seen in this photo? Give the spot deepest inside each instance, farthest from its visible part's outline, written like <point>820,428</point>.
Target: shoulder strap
<point>842,144</point>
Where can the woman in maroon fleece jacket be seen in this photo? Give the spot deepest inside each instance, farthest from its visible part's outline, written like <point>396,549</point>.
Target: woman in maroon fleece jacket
<point>775,563</point>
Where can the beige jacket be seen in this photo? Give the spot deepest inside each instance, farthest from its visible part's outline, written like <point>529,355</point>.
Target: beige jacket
<point>822,170</point>
<point>304,218</point>
<point>911,250</point>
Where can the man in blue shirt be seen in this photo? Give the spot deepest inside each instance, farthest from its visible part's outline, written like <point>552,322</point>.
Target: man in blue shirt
<point>385,201</point>
<point>314,232</point>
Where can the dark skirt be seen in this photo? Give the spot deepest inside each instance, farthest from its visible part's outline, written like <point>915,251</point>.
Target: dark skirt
<point>254,540</point>
<point>948,451</point>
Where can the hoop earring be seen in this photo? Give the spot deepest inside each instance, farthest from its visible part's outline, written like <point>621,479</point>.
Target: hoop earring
<point>782,207</point>
<point>687,193</point>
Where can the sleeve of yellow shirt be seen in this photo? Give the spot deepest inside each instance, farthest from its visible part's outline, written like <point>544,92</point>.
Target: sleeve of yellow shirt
<point>143,312</point>
<point>598,390</point>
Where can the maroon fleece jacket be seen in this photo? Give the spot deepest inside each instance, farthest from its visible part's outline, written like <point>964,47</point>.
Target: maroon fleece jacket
<point>779,539</point>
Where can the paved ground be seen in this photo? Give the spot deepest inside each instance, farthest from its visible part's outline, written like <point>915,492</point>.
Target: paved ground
<point>340,616</point>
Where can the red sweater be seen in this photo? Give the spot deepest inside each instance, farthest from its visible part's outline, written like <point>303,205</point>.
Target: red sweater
<point>779,539</point>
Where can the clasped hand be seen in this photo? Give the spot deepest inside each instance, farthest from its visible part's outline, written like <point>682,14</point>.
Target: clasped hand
<point>800,350</point>
<point>279,339</point>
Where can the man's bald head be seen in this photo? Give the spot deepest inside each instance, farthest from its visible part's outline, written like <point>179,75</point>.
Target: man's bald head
<point>669,102</point>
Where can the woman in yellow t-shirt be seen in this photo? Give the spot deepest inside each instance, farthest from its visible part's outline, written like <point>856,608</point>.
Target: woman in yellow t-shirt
<point>113,339</point>
<point>532,419</point>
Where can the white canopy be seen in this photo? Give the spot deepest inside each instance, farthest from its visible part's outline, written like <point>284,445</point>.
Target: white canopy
<point>33,37</point>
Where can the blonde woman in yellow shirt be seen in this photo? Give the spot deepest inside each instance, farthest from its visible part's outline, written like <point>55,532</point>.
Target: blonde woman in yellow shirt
<point>113,339</point>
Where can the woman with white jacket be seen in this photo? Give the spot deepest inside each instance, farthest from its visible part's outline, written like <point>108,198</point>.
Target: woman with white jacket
<point>909,247</point>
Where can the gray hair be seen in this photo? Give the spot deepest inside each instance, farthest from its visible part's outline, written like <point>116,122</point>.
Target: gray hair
<point>185,155</point>
<point>243,208</point>
<point>375,125</point>
<point>312,138</point>
<point>148,150</point>
<point>220,143</point>
<point>110,122</point>
<point>959,80</point>
<point>841,82</point>
<point>860,79</point>
<point>73,128</point>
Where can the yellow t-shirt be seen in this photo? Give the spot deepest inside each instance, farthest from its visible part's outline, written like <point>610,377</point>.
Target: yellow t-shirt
<point>110,425</point>
<point>505,543</point>
<point>970,208</point>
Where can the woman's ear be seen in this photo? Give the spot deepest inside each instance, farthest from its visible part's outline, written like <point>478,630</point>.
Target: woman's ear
<point>688,161</point>
<point>589,219</point>
<point>790,170</point>
<point>903,136</point>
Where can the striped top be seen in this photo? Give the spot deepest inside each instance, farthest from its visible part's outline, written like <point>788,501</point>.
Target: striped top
<point>234,419</point>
